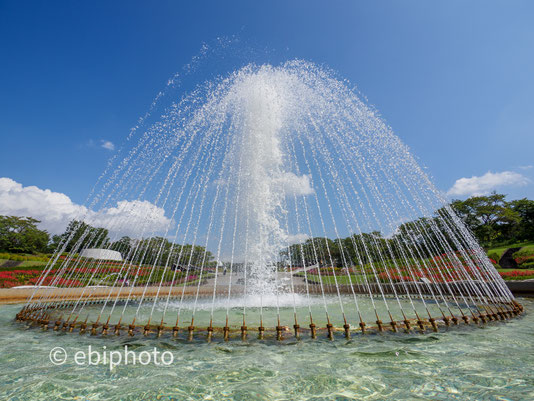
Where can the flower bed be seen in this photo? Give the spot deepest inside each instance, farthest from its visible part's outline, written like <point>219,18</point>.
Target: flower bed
<point>517,274</point>
<point>13,278</point>
<point>524,258</point>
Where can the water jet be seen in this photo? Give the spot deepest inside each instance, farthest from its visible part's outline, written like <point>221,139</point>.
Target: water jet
<point>270,203</point>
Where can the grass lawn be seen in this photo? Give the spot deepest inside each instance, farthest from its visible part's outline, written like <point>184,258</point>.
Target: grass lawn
<point>500,250</point>
<point>341,279</point>
<point>25,263</point>
<point>358,278</point>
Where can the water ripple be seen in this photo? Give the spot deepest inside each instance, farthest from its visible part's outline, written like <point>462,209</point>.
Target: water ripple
<point>493,363</point>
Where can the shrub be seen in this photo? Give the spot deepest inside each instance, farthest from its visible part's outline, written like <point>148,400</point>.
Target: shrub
<point>523,252</point>
<point>494,257</point>
<point>21,258</point>
<point>529,265</point>
<point>523,257</point>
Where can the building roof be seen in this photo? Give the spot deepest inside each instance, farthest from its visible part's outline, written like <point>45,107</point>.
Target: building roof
<point>104,254</point>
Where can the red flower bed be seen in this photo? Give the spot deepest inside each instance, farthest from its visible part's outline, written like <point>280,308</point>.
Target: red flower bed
<point>517,273</point>
<point>444,272</point>
<point>61,282</point>
<point>13,278</point>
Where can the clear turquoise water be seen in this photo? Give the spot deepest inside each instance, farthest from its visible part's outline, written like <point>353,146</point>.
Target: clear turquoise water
<point>493,362</point>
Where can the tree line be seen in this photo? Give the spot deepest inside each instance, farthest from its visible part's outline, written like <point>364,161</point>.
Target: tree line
<point>21,235</point>
<point>496,221</point>
<point>492,219</point>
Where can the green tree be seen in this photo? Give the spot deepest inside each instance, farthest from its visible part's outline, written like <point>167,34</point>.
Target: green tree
<point>321,250</point>
<point>123,245</point>
<point>20,234</point>
<point>490,217</point>
<point>81,235</point>
<point>525,209</point>
<point>162,252</point>
<point>194,255</point>
<point>54,243</point>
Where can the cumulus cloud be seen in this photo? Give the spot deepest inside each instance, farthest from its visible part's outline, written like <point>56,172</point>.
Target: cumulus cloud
<point>130,218</point>
<point>56,210</point>
<point>483,185</point>
<point>293,184</point>
<point>297,238</point>
<point>107,145</point>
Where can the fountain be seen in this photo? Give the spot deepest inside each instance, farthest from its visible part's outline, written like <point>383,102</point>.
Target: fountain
<point>272,201</point>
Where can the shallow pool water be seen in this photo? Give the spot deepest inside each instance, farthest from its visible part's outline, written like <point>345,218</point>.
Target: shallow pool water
<point>493,362</point>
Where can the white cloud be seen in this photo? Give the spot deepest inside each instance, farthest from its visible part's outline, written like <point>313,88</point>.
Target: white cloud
<point>530,166</point>
<point>130,218</point>
<point>56,210</point>
<point>292,184</point>
<point>483,185</point>
<point>107,145</point>
<point>297,238</point>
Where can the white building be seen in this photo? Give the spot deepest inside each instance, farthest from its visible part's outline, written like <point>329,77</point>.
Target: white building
<point>104,254</point>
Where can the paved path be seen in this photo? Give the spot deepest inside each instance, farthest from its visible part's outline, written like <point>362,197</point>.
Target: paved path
<point>237,280</point>
<point>523,288</point>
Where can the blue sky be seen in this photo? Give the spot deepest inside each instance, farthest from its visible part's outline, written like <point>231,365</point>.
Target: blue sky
<point>453,79</point>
